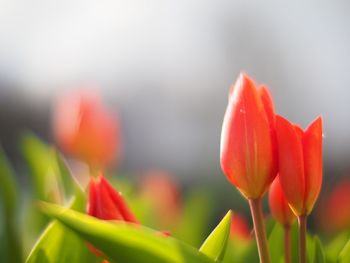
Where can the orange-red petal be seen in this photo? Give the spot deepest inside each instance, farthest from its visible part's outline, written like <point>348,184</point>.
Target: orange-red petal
<point>279,205</point>
<point>291,164</point>
<point>312,151</point>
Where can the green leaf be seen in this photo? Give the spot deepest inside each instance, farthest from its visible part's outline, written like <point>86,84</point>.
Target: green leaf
<point>275,242</point>
<point>334,247</point>
<point>344,256</point>
<point>196,217</point>
<point>215,245</point>
<point>319,256</point>
<point>43,168</point>
<point>123,242</point>
<point>58,244</point>
<point>10,244</point>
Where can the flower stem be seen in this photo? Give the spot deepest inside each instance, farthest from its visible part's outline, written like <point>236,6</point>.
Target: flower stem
<point>302,220</point>
<point>287,245</point>
<point>259,229</point>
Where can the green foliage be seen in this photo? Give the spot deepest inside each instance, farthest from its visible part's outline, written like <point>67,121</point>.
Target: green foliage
<point>275,242</point>
<point>319,255</point>
<point>344,256</point>
<point>122,242</point>
<point>10,246</point>
<point>196,217</point>
<point>58,244</point>
<point>215,245</point>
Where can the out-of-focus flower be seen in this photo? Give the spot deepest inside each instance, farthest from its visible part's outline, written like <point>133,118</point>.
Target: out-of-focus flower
<point>107,204</point>
<point>239,228</point>
<point>84,128</point>
<point>158,188</point>
<point>335,208</point>
<point>300,163</point>
<point>248,140</point>
<point>279,205</point>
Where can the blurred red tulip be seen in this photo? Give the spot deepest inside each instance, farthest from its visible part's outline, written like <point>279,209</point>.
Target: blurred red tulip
<point>279,205</point>
<point>107,204</point>
<point>85,129</point>
<point>163,193</point>
<point>335,213</point>
<point>248,140</point>
<point>300,163</point>
<point>239,228</point>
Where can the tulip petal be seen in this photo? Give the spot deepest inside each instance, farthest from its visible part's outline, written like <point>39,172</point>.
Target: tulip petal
<point>119,201</point>
<point>312,148</point>
<point>246,143</point>
<point>107,209</point>
<point>266,99</point>
<point>291,163</point>
<point>91,209</point>
<point>279,205</point>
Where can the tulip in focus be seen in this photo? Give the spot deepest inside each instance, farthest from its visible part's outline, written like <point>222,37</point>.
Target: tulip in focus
<point>248,143</point>
<point>278,204</point>
<point>248,150</point>
<point>85,129</point>
<point>300,163</point>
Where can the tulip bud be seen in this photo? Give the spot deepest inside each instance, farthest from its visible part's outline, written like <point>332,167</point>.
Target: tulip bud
<point>107,204</point>
<point>300,163</point>
<point>248,141</point>
<point>278,204</point>
<point>239,228</point>
<point>85,129</point>
<point>334,215</point>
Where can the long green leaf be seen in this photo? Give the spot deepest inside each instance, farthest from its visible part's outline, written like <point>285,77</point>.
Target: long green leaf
<point>275,242</point>
<point>319,256</point>
<point>215,245</point>
<point>58,244</point>
<point>344,256</point>
<point>10,245</point>
<point>122,242</point>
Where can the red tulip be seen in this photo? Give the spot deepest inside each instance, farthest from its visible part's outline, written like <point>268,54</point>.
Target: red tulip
<point>106,203</point>
<point>335,209</point>
<point>163,194</point>
<point>300,163</point>
<point>279,205</point>
<point>248,142</point>
<point>239,228</point>
<point>85,129</point>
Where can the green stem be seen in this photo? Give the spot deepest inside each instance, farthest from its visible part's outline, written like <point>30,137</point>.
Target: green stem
<point>302,221</point>
<point>287,245</point>
<point>259,229</point>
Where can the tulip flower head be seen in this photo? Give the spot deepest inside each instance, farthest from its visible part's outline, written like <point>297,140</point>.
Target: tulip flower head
<point>85,129</point>
<point>248,142</point>
<point>300,163</point>
<point>107,204</point>
<point>335,209</point>
<point>279,205</point>
<point>239,228</point>
<point>163,194</point>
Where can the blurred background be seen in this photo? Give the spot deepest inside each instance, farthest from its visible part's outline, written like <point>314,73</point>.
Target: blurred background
<point>165,68</point>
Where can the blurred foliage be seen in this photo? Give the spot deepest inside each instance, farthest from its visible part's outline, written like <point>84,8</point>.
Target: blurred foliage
<point>59,234</point>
